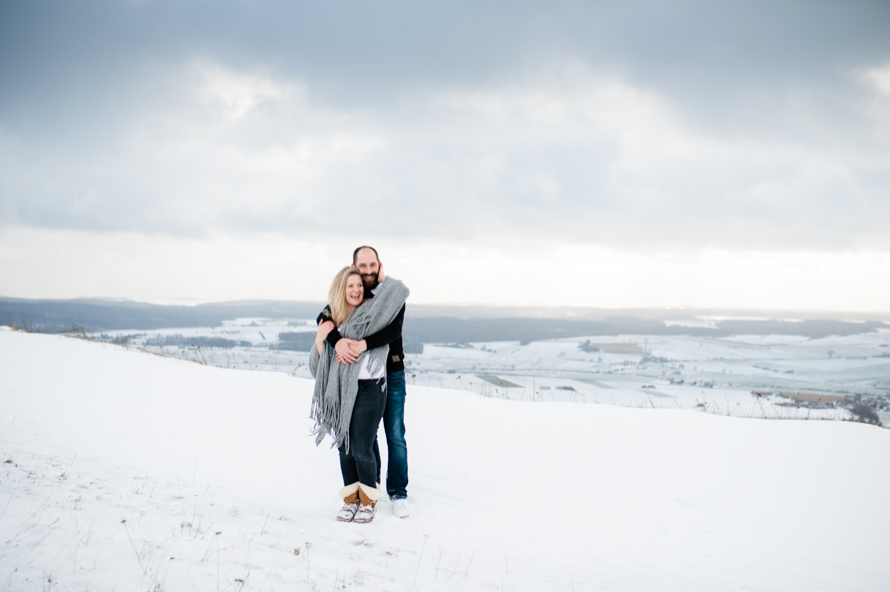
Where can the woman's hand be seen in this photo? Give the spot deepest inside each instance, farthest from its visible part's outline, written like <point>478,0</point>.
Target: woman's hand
<point>358,346</point>
<point>324,329</point>
<point>349,350</point>
<point>345,355</point>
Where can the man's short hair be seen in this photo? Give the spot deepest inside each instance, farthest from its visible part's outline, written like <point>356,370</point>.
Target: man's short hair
<point>355,253</point>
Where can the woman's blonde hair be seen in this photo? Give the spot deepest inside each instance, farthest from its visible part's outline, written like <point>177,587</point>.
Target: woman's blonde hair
<point>337,294</point>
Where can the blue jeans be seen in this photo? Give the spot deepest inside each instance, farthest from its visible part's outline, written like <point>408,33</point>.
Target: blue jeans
<point>394,426</point>
<point>361,462</point>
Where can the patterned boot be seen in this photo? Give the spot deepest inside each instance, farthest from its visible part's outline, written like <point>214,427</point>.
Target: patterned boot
<point>351,503</point>
<point>368,497</point>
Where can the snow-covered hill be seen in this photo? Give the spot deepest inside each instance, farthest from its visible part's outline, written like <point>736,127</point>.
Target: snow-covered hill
<point>128,471</point>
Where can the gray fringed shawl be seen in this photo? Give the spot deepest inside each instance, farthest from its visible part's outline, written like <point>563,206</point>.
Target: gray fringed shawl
<point>336,384</point>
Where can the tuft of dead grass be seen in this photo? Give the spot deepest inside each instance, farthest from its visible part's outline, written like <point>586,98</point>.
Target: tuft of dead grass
<point>24,327</point>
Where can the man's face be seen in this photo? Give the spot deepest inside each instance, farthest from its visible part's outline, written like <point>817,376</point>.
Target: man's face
<point>368,266</point>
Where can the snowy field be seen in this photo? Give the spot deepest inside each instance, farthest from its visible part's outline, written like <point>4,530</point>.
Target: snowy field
<point>677,372</point>
<point>129,471</point>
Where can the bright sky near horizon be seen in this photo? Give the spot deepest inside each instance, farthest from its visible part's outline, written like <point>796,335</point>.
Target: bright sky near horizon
<point>686,153</point>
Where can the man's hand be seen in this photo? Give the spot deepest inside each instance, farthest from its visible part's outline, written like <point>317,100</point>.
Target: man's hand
<point>345,353</point>
<point>324,328</point>
<point>358,346</point>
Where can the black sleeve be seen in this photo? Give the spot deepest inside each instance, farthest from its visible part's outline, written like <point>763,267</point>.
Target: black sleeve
<point>388,334</point>
<point>333,336</point>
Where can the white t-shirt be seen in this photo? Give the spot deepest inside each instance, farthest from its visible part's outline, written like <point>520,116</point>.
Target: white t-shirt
<point>364,374</point>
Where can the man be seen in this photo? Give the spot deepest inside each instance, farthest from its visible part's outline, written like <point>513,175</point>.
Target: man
<point>368,263</point>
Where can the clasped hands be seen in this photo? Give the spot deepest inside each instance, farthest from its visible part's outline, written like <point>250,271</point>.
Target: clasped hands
<point>348,350</point>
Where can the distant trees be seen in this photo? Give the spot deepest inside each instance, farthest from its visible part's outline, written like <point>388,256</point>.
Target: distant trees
<point>219,342</point>
<point>588,347</point>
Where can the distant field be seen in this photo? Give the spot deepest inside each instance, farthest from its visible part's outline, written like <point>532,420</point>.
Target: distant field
<point>619,348</point>
<point>813,397</point>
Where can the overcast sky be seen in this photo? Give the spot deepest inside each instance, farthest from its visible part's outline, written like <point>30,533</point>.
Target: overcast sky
<point>550,153</point>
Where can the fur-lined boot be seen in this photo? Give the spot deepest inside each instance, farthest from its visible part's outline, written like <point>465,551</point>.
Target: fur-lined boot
<point>368,497</point>
<point>351,503</point>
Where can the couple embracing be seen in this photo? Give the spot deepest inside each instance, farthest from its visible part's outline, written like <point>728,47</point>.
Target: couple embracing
<point>359,369</point>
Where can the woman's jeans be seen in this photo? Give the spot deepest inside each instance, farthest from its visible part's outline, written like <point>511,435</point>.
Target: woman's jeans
<point>359,463</point>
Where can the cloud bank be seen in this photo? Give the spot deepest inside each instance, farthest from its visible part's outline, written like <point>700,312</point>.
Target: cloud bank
<point>641,128</point>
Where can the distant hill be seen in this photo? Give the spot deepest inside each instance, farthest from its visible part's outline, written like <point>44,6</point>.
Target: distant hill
<point>424,324</point>
<point>100,315</point>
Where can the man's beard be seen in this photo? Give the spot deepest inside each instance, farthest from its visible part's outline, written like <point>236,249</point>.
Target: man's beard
<point>370,280</point>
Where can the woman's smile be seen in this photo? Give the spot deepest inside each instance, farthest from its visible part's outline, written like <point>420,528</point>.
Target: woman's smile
<point>355,290</point>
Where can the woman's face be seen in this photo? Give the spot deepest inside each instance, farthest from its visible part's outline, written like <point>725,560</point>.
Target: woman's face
<point>355,290</point>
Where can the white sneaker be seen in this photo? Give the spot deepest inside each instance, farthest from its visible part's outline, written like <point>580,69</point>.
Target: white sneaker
<point>400,508</point>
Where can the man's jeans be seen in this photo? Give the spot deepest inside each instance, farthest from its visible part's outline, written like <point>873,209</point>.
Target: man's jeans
<point>362,462</point>
<point>394,426</point>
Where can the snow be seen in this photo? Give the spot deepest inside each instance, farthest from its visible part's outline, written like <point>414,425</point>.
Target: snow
<point>131,471</point>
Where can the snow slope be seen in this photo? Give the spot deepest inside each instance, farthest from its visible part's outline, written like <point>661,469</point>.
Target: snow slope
<point>135,472</point>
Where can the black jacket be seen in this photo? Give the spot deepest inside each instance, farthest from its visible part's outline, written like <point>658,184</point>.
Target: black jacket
<point>391,334</point>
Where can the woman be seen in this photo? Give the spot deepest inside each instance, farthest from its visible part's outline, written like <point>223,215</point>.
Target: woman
<point>349,399</point>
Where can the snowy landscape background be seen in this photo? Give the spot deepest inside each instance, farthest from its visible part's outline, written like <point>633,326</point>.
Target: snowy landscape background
<point>620,462</point>
<point>126,470</point>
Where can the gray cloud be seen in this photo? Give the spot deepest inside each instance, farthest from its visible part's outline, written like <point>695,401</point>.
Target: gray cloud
<point>654,124</point>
